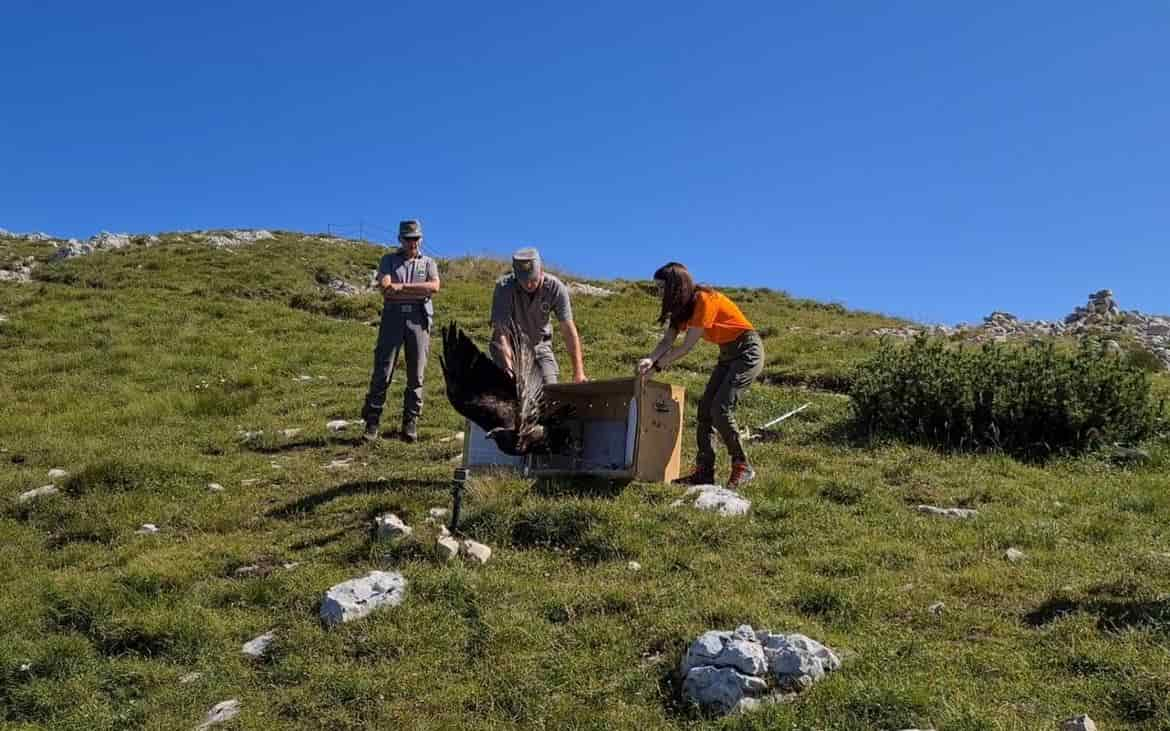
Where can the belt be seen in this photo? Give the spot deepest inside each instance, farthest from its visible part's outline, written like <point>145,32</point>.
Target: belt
<point>405,306</point>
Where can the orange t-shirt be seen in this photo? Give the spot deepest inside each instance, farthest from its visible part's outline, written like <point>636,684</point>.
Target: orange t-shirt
<point>720,318</point>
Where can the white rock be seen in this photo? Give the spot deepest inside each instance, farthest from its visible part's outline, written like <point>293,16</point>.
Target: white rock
<point>391,526</point>
<point>214,487</point>
<point>249,570</point>
<point>219,713</point>
<point>634,566</point>
<point>256,647</point>
<point>796,661</point>
<point>337,425</point>
<point>356,598</point>
<point>190,678</point>
<point>1079,723</point>
<point>44,491</point>
<point>56,474</point>
<point>476,551</point>
<point>290,433</point>
<point>738,650</point>
<point>590,290</point>
<point>937,608</point>
<point>438,514</point>
<point>1014,555</point>
<point>147,529</point>
<point>719,499</point>
<point>250,482</point>
<point>722,690</point>
<point>248,436</point>
<point>340,464</point>
<point>446,548</point>
<point>957,513</point>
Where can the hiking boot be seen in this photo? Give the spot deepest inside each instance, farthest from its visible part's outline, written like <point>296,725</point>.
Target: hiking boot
<point>410,430</point>
<point>741,474</point>
<point>371,432</point>
<point>698,476</point>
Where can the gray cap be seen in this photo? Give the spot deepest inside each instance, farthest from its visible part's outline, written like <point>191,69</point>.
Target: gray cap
<point>526,265</point>
<point>409,229</point>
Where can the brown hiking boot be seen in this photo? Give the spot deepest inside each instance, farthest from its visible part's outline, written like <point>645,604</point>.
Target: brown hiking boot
<point>698,476</point>
<point>741,474</point>
<point>410,430</point>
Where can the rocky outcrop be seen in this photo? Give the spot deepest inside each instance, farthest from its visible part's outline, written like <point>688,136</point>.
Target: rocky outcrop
<point>1101,316</point>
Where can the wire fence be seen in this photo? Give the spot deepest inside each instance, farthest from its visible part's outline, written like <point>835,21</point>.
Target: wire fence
<point>373,233</point>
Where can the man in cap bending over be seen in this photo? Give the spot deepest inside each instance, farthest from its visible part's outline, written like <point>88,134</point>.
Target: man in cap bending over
<point>527,297</point>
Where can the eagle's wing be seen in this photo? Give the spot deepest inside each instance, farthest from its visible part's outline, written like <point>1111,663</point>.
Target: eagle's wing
<point>529,383</point>
<point>477,388</point>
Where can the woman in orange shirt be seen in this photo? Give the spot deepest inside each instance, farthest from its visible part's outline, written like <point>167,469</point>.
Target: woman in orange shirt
<point>701,312</point>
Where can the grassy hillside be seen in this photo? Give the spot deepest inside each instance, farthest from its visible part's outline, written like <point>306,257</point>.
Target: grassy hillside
<point>137,371</point>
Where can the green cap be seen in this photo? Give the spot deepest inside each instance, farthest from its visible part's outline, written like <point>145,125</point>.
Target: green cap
<point>409,229</point>
<point>526,265</point>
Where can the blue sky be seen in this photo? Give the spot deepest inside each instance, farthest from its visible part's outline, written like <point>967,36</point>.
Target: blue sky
<point>932,160</point>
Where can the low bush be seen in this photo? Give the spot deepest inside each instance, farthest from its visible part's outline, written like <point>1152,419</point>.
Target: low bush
<point>1031,402</point>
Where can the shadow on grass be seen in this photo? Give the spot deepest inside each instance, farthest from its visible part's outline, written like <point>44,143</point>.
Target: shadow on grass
<point>597,487</point>
<point>309,503</point>
<point>315,443</point>
<point>832,382</point>
<point>321,541</point>
<point>1113,614</point>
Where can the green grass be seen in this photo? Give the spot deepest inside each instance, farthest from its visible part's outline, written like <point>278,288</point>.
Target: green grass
<point>138,370</point>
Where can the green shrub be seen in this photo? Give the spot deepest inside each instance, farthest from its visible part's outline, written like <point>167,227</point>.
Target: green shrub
<point>1031,401</point>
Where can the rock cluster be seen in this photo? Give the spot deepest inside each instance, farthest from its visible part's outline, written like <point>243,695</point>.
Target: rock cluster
<point>235,237</point>
<point>588,290</point>
<point>1101,316</point>
<point>727,672</point>
<point>104,241</point>
<point>20,271</point>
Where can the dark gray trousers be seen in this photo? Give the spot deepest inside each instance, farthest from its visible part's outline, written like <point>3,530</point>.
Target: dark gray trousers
<point>403,326</point>
<point>740,363</point>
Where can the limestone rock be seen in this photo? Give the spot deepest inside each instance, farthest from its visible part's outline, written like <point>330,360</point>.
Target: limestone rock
<point>57,474</point>
<point>219,713</point>
<point>147,529</point>
<point>956,513</point>
<point>1078,723</point>
<point>43,491</point>
<point>390,526</point>
<point>718,499</point>
<point>477,552</point>
<point>722,690</point>
<point>726,672</point>
<point>1014,555</point>
<point>258,646</point>
<point>446,548</point>
<point>356,598</point>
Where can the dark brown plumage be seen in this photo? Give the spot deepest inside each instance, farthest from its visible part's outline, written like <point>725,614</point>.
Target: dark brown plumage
<point>512,411</point>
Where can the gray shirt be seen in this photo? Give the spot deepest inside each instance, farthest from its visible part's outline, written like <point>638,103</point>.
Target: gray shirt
<point>531,311</point>
<point>420,269</point>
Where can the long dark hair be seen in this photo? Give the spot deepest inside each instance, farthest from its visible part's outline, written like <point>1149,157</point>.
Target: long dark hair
<point>678,294</point>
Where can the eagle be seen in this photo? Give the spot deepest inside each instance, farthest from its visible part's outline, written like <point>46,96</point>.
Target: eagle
<point>511,409</point>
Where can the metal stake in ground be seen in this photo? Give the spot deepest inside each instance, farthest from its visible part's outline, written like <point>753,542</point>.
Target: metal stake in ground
<point>458,486</point>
